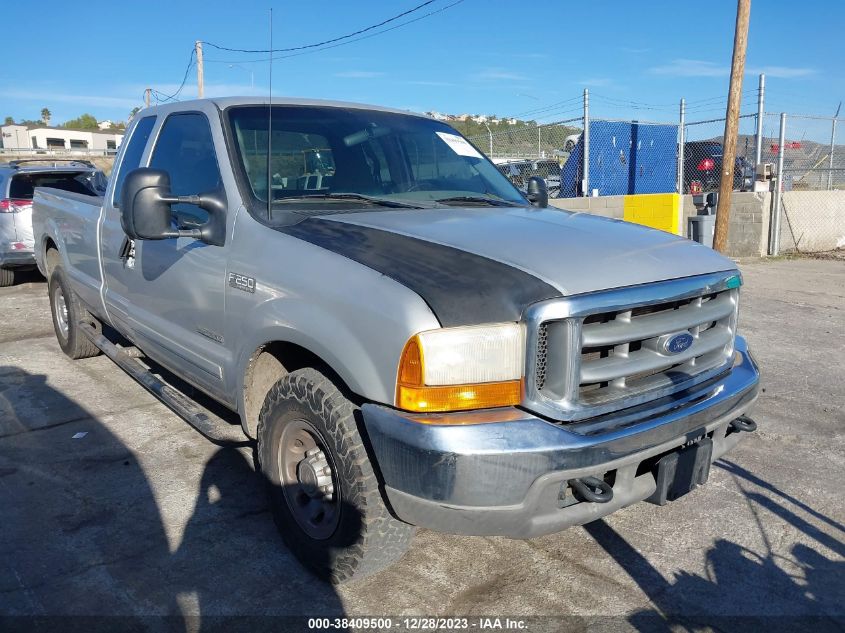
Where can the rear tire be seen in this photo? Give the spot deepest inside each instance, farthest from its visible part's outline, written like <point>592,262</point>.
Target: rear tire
<point>7,277</point>
<point>323,492</point>
<point>67,311</point>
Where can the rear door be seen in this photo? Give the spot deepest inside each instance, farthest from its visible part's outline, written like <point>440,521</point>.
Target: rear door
<point>115,247</point>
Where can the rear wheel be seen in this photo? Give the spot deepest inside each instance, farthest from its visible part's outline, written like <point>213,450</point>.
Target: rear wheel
<point>7,277</point>
<point>67,313</point>
<point>324,494</point>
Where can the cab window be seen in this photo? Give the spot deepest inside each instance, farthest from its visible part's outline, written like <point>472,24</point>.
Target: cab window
<point>185,150</point>
<point>132,156</point>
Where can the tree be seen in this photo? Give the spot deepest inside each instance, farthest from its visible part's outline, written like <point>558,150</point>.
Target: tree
<point>45,116</point>
<point>84,122</point>
<point>9,121</point>
<point>135,111</point>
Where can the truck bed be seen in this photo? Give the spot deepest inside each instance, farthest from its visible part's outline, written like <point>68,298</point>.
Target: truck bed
<point>70,218</point>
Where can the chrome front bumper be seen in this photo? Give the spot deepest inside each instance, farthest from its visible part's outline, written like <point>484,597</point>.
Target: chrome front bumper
<point>502,471</point>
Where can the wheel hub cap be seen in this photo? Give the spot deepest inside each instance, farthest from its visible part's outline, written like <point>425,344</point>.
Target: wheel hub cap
<point>61,312</point>
<point>315,475</point>
<point>307,473</point>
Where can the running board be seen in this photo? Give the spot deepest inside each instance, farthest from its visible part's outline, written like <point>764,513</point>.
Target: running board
<point>211,426</point>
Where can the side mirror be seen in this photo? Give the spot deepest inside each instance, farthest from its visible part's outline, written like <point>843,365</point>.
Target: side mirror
<point>145,214</point>
<point>144,205</point>
<point>538,192</point>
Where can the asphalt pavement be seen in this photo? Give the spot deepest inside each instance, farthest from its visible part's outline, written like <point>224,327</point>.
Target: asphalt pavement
<point>110,505</point>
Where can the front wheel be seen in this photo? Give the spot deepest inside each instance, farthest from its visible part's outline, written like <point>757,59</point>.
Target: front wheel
<point>323,492</point>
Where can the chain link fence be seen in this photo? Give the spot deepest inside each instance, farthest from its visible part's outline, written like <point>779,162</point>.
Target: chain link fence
<point>810,205</point>
<point>531,149</point>
<point>811,159</point>
<point>701,162</point>
<point>617,157</point>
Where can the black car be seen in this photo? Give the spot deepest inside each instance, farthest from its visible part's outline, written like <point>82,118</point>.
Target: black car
<point>703,168</point>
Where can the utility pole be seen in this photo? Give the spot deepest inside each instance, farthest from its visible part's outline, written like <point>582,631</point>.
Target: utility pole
<point>761,111</point>
<point>490,135</point>
<point>832,148</point>
<point>147,97</point>
<point>585,182</point>
<point>774,224</point>
<point>200,77</point>
<point>723,215</point>
<point>682,133</point>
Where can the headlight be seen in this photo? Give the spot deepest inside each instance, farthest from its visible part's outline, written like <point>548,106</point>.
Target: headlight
<point>454,369</point>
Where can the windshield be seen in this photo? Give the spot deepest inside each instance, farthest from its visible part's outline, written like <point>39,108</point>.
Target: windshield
<point>320,155</point>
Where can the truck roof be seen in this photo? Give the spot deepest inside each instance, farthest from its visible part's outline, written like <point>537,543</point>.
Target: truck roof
<point>227,102</point>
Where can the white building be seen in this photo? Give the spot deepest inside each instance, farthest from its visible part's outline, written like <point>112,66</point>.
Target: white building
<point>21,137</point>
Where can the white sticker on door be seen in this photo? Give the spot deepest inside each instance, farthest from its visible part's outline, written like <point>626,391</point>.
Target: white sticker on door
<point>459,145</point>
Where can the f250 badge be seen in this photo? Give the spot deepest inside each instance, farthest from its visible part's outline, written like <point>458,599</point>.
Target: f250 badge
<point>242,282</point>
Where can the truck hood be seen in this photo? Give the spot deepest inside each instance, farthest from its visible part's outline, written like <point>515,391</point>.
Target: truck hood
<point>573,252</point>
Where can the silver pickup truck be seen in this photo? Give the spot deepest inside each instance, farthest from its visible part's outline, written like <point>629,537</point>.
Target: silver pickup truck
<point>409,339</point>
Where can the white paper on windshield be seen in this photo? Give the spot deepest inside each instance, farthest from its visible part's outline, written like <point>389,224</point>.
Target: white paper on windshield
<point>459,145</point>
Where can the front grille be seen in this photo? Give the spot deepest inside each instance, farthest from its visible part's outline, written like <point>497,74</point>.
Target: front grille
<point>601,360</point>
<point>540,364</point>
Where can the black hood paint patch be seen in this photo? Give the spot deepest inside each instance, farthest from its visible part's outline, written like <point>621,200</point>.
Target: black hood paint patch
<point>461,288</point>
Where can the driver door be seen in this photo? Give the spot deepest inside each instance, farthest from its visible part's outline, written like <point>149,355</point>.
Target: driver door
<point>178,285</point>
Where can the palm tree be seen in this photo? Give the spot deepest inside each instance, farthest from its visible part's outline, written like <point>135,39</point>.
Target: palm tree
<point>45,116</point>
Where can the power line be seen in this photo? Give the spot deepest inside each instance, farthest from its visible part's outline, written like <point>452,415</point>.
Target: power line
<point>172,97</point>
<point>547,107</point>
<point>323,43</point>
<point>350,41</point>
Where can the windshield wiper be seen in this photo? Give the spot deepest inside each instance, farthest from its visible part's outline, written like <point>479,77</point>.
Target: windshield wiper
<point>493,202</point>
<point>384,202</point>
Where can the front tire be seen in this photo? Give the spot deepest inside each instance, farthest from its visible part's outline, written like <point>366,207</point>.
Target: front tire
<point>323,492</point>
<point>67,312</point>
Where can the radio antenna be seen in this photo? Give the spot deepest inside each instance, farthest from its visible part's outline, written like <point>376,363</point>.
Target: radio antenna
<point>270,129</point>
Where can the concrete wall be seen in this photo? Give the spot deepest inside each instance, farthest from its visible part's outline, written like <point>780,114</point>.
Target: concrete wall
<point>14,136</point>
<point>747,234</point>
<point>812,221</point>
<point>608,206</point>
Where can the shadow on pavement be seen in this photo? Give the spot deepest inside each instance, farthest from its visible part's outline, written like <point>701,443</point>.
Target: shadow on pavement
<point>742,590</point>
<point>82,533</point>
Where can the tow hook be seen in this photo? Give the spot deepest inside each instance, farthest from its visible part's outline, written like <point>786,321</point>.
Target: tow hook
<point>591,489</point>
<point>744,423</point>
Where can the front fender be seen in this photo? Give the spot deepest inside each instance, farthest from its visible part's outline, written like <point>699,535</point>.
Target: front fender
<point>322,334</point>
<point>358,337</point>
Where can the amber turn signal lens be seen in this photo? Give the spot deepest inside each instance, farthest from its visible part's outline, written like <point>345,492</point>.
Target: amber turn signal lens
<point>459,397</point>
<point>411,365</point>
<point>413,395</point>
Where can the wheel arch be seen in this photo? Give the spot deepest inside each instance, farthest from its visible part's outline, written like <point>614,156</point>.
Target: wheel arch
<point>267,364</point>
<point>48,260</point>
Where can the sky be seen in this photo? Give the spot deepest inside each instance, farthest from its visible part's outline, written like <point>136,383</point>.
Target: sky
<point>527,59</point>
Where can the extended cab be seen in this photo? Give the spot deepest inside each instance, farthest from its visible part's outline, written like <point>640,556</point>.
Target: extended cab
<point>410,340</point>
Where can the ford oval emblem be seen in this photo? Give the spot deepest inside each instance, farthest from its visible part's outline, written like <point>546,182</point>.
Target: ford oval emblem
<point>675,343</point>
